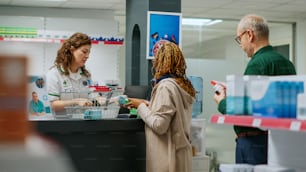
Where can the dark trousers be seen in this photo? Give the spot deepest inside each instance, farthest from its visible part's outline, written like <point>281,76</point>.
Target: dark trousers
<point>252,149</point>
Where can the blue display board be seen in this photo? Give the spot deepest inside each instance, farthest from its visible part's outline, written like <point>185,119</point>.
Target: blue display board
<point>162,26</point>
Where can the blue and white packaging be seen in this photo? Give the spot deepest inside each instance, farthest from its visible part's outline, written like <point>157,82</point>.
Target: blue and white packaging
<point>276,97</point>
<point>235,95</point>
<point>299,89</point>
<point>301,106</point>
<point>288,90</point>
<point>248,79</point>
<point>238,94</point>
<point>266,97</point>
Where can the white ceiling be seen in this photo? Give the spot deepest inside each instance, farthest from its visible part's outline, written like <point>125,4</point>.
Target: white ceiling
<point>273,10</point>
<point>279,10</point>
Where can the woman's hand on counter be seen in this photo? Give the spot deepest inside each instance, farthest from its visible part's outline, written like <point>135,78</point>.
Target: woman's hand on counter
<point>59,105</point>
<point>134,102</point>
<point>82,102</point>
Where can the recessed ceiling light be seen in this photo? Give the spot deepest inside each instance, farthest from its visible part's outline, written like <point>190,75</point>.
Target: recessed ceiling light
<point>214,22</point>
<point>199,21</point>
<point>52,0</point>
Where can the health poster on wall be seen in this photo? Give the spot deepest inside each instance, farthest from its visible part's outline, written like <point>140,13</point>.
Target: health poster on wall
<point>162,26</point>
<point>38,104</point>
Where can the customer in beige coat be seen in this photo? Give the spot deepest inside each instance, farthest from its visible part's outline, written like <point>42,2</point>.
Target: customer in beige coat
<point>168,114</point>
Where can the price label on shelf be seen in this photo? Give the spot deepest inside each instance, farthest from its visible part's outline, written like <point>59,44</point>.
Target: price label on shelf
<point>221,120</point>
<point>256,122</point>
<point>295,125</point>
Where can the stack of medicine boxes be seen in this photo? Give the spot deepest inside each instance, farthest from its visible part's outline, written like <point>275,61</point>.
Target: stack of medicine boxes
<point>265,96</point>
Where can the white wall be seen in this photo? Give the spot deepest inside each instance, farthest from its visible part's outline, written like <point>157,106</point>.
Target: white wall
<point>301,47</point>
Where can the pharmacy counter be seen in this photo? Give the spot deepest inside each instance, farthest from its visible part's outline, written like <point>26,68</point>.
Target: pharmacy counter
<point>110,145</point>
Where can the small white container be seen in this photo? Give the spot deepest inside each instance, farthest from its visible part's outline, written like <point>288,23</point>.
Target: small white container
<point>197,135</point>
<point>301,106</point>
<point>270,168</point>
<point>235,95</point>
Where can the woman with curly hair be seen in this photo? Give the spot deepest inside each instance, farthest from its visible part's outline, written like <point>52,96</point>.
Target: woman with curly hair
<point>69,74</point>
<point>167,116</point>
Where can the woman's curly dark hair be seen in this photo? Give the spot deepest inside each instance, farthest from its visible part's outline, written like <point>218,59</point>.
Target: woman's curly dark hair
<point>64,56</point>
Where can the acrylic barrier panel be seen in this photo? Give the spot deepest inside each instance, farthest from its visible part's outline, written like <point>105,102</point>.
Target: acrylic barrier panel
<point>197,83</point>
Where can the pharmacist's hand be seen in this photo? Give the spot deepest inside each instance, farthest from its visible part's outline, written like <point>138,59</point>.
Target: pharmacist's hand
<point>101,100</point>
<point>220,95</point>
<point>134,102</point>
<point>83,102</point>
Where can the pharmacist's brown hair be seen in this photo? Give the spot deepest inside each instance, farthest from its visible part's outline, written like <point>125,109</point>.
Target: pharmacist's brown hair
<point>64,55</point>
<point>169,60</point>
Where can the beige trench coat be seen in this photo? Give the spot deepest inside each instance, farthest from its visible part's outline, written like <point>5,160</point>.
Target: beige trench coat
<point>167,128</point>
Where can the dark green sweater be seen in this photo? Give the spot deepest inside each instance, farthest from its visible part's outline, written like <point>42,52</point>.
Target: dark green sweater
<point>265,61</point>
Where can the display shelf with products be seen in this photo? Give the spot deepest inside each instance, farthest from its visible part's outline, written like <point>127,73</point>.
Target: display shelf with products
<point>29,34</point>
<point>286,139</point>
<point>262,122</point>
<point>111,41</point>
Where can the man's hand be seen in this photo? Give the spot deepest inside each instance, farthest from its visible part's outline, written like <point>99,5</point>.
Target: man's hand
<point>220,95</point>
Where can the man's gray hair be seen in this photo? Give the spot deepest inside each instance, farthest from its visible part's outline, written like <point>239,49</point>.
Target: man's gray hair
<point>257,24</point>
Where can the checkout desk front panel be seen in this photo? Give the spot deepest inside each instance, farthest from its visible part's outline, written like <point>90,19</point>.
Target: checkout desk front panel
<point>108,145</point>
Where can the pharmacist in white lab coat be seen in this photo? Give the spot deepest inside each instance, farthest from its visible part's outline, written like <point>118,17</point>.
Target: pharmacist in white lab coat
<point>69,74</point>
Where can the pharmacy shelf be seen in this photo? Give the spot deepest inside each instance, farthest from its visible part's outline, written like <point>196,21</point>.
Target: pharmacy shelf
<point>285,141</point>
<point>262,122</point>
<point>53,40</point>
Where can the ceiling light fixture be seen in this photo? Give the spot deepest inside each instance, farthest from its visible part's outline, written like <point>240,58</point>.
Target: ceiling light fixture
<point>52,0</point>
<point>199,21</point>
